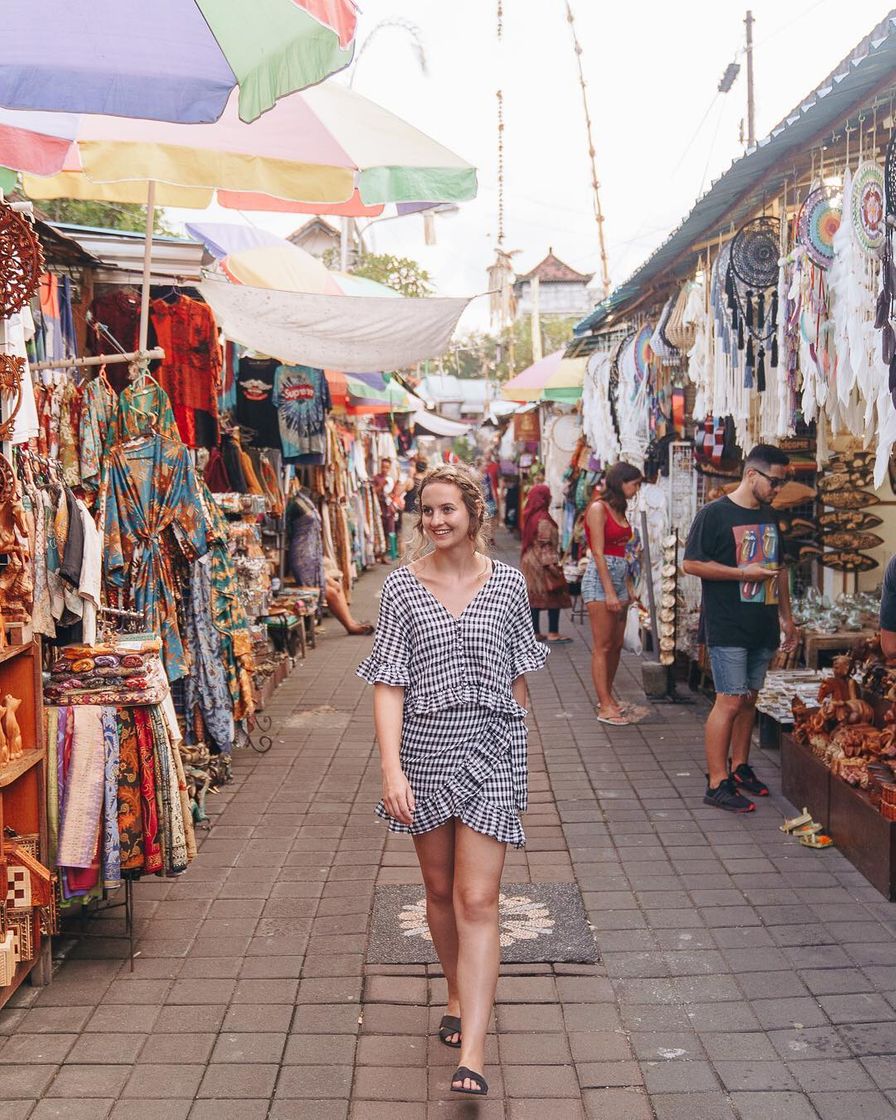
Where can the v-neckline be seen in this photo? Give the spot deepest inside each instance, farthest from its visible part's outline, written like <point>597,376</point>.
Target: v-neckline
<point>436,599</point>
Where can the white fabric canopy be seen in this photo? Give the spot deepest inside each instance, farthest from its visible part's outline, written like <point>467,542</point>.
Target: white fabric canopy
<point>438,425</point>
<point>334,332</point>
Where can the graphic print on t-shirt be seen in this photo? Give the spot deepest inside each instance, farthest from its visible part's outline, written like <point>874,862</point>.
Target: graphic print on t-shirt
<point>757,544</point>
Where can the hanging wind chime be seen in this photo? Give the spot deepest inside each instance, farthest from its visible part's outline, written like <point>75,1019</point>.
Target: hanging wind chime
<point>751,289</point>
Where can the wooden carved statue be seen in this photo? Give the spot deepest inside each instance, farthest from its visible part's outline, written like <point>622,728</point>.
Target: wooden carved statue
<point>11,727</point>
<point>841,686</point>
<point>4,746</point>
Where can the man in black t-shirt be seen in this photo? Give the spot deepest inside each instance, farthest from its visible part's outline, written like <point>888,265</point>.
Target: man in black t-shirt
<point>888,611</point>
<point>734,548</point>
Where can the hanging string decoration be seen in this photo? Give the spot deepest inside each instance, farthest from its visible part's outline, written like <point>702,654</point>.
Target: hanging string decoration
<point>868,206</point>
<point>884,306</point>
<point>21,261</point>
<point>754,253</point>
<point>819,220</point>
<point>890,176</point>
<point>751,287</point>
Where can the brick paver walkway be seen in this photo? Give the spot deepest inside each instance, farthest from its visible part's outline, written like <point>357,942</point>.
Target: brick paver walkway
<point>742,976</point>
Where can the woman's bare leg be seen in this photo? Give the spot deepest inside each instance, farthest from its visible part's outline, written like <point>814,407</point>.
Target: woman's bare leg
<point>478,863</point>
<point>603,627</point>
<point>339,608</point>
<point>435,851</point>
<point>618,640</point>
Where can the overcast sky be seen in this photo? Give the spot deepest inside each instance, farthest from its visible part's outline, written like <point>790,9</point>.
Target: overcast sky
<point>661,130</point>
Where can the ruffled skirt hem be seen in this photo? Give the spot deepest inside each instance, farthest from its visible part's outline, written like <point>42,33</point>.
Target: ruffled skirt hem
<point>480,815</point>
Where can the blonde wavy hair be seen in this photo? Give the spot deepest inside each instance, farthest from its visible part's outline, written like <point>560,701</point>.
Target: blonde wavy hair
<point>472,497</point>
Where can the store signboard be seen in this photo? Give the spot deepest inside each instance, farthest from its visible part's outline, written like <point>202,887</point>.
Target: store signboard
<point>527,427</point>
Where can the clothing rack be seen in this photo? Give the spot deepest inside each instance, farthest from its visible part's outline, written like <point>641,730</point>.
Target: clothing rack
<point>103,906</point>
<point>101,360</point>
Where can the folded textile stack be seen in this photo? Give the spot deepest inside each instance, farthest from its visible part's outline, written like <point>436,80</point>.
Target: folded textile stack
<point>116,675</point>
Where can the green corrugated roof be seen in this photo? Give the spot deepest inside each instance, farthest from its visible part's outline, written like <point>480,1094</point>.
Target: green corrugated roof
<point>864,73</point>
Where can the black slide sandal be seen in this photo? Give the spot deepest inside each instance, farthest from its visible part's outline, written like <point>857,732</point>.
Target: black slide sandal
<point>463,1074</point>
<point>450,1025</point>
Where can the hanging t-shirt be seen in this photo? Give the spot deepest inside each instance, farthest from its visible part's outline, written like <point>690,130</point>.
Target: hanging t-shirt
<point>302,399</point>
<point>254,403</point>
<point>736,613</point>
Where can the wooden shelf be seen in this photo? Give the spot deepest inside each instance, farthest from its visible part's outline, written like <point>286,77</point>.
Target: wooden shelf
<point>13,651</point>
<point>14,770</point>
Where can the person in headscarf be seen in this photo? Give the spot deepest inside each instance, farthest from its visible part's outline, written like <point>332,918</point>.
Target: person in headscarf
<point>540,563</point>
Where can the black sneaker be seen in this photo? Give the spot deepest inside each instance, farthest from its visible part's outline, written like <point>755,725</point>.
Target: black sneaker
<point>725,796</point>
<point>745,778</point>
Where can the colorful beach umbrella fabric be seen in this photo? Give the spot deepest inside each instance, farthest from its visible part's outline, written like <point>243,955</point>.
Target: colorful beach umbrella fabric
<point>249,255</point>
<point>552,378</point>
<point>169,60</point>
<point>317,147</point>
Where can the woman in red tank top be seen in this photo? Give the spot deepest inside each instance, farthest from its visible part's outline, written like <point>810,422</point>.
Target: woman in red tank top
<point>605,585</point>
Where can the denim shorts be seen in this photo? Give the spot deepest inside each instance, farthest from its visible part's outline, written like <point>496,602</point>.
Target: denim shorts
<point>592,585</point>
<point>737,671</point>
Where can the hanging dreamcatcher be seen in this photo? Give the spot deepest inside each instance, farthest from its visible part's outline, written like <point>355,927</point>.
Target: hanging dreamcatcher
<point>643,353</point>
<point>884,306</point>
<point>21,261</point>
<point>819,220</point>
<point>751,287</point>
<point>868,207</point>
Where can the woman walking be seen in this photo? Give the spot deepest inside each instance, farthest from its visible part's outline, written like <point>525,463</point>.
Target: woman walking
<point>453,642</point>
<point>540,562</point>
<point>605,585</point>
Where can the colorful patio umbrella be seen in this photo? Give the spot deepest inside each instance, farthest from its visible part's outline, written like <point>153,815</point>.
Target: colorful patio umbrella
<point>552,378</point>
<point>169,60</point>
<point>249,255</point>
<point>367,393</point>
<point>318,145</point>
<point>314,147</point>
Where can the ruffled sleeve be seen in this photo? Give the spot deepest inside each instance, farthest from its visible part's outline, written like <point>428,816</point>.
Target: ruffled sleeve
<point>388,662</point>
<point>526,654</point>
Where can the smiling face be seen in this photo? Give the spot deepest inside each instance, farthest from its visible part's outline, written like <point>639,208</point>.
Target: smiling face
<point>446,522</point>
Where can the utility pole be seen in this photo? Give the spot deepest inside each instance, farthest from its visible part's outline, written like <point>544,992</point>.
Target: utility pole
<point>592,156</point>
<point>751,107</point>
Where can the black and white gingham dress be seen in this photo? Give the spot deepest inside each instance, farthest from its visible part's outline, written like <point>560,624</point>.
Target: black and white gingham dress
<point>463,740</point>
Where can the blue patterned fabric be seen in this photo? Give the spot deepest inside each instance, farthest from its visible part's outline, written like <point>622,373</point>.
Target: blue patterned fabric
<point>207,687</point>
<point>111,835</point>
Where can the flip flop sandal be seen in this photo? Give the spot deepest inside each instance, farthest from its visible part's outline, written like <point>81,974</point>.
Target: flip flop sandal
<point>464,1074</point>
<point>806,829</point>
<point>449,1026</point>
<point>796,822</point>
<point>559,641</point>
<point>635,712</point>
<point>614,721</point>
<point>816,840</point>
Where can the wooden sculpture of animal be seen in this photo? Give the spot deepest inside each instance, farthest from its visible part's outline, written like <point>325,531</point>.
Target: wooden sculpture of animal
<point>840,686</point>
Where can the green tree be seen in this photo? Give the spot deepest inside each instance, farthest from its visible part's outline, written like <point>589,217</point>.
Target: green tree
<point>501,356</point>
<point>399,273</point>
<point>102,215</point>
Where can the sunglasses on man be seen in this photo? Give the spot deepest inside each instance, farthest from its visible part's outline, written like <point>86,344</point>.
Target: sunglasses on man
<point>775,483</point>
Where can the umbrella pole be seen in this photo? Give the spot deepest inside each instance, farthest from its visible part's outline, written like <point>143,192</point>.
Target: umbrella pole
<point>147,262</point>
